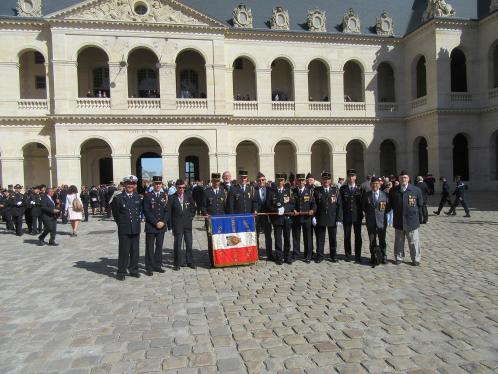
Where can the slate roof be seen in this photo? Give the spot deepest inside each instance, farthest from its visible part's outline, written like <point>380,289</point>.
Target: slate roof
<point>406,14</point>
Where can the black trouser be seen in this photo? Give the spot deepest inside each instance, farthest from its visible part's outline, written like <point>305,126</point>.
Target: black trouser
<point>373,234</point>
<point>444,199</point>
<point>50,227</point>
<point>17,221</point>
<point>357,239</point>
<point>210,243</point>
<point>63,214</point>
<point>29,219</point>
<point>305,226</point>
<point>179,237</point>
<point>154,250</point>
<point>320,252</point>
<point>425,213</point>
<point>8,221</point>
<point>459,200</point>
<point>85,212</point>
<point>263,225</point>
<point>37,225</point>
<point>279,231</point>
<point>128,253</point>
<point>314,233</point>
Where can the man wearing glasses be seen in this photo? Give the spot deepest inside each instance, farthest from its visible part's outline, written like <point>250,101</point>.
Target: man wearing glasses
<point>261,205</point>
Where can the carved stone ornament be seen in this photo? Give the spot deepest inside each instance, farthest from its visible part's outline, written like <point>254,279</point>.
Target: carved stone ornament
<point>351,22</point>
<point>242,16</point>
<point>438,8</point>
<point>29,8</point>
<point>493,6</point>
<point>317,20</point>
<point>385,26</point>
<point>133,10</point>
<point>279,19</point>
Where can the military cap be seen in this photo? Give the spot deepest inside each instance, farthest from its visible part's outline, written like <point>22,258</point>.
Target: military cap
<point>326,175</point>
<point>260,175</point>
<point>130,179</point>
<point>403,172</point>
<point>281,176</point>
<point>215,176</point>
<point>17,186</point>
<point>375,179</point>
<point>309,175</point>
<point>300,176</point>
<point>157,179</point>
<point>243,173</point>
<point>351,172</point>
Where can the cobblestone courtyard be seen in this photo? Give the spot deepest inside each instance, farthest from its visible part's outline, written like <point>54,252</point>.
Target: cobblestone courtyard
<point>62,311</point>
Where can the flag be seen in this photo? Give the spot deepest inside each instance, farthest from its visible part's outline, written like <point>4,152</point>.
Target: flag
<point>234,239</point>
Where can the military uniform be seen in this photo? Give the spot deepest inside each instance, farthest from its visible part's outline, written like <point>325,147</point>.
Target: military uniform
<point>459,194</point>
<point>127,209</point>
<point>6,210</point>
<point>27,210</point>
<point>281,202</point>
<point>85,200</point>
<point>304,203</point>
<point>328,214</point>
<point>352,215</point>
<point>445,196</point>
<point>16,204</point>
<point>36,213</point>
<point>241,199</point>
<point>49,220</point>
<point>261,204</point>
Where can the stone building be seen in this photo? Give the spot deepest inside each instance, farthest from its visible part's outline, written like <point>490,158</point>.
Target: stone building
<point>89,88</point>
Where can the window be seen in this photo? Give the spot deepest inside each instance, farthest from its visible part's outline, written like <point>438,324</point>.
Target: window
<point>147,83</point>
<point>140,9</point>
<point>101,82</point>
<point>39,59</point>
<point>40,82</point>
<point>189,82</point>
<point>238,64</point>
<point>192,168</point>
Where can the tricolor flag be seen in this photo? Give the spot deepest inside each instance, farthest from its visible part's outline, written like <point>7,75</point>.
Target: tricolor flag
<point>234,239</point>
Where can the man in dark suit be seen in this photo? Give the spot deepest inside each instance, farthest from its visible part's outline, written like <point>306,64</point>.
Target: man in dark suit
<point>85,199</point>
<point>62,201</point>
<point>304,208</point>
<point>351,196</point>
<point>156,223</point>
<point>328,216</point>
<point>6,210</point>
<point>425,195</point>
<point>36,211</point>
<point>261,205</point>
<point>459,198</point>
<point>375,205</point>
<point>445,196</point>
<point>310,183</point>
<point>127,210</point>
<point>406,202</point>
<point>16,203</point>
<point>214,203</point>
<point>241,196</point>
<point>181,209</point>
<point>49,216</point>
<point>281,203</point>
<point>197,192</point>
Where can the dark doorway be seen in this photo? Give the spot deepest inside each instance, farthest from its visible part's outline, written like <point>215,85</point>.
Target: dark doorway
<point>458,71</point>
<point>421,78</point>
<point>461,157</point>
<point>387,158</point>
<point>144,173</point>
<point>191,168</point>
<point>423,157</point>
<point>105,168</point>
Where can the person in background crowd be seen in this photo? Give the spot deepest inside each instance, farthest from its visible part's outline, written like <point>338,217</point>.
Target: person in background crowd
<point>445,196</point>
<point>389,215</point>
<point>16,204</point>
<point>85,200</point>
<point>227,180</point>
<point>50,213</point>
<point>6,210</point>
<point>310,183</point>
<point>27,210</point>
<point>111,189</point>
<point>459,194</point>
<point>425,195</point>
<point>430,181</point>
<point>365,186</point>
<point>62,200</point>
<point>73,211</point>
<point>339,183</point>
<point>36,211</point>
<point>197,192</point>
<point>94,199</point>
<point>261,205</point>
<point>406,201</point>
<point>304,209</point>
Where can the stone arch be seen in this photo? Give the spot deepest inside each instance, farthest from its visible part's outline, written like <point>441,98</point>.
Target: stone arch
<point>28,48</point>
<point>285,160</point>
<point>144,46</point>
<point>143,150</point>
<point>355,157</point>
<point>386,83</point>
<point>195,49</point>
<point>247,56</point>
<point>93,72</point>
<point>198,137</point>
<point>36,163</point>
<point>194,160</point>
<point>388,156</point>
<point>321,153</point>
<point>421,153</point>
<point>287,58</point>
<point>458,70</point>
<point>247,139</point>
<point>32,74</point>
<point>244,79</point>
<point>40,141</point>
<point>354,81</point>
<point>419,77</point>
<point>461,157</point>
<point>191,81</point>
<point>290,140</point>
<point>90,137</point>
<point>247,157</point>
<point>318,80</point>
<point>282,79</point>
<point>143,73</point>
<point>96,161</point>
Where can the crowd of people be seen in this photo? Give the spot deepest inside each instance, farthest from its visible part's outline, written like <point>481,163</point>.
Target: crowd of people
<point>285,210</point>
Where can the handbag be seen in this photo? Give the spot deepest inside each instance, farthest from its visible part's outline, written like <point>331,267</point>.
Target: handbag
<point>77,206</point>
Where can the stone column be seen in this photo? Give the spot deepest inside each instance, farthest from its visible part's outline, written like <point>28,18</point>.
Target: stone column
<point>167,82</point>
<point>213,164</point>
<point>68,169</point>
<point>227,161</point>
<point>210,86</point>
<point>338,165</point>
<point>170,166</point>
<point>121,166</point>
<point>12,170</point>
<point>337,90</point>
<point>220,98</point>
<point>65,86</point>
<point>263,87</point>
<point>118,72</point>
<point>301,92</point>
<point>438,80</point>
<point>370,93</point>
<point>267,165</point>
<point>479,165</point>
<point>303,162</point>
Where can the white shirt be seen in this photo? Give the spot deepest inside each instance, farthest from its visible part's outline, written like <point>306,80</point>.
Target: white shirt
<point>262,193</point>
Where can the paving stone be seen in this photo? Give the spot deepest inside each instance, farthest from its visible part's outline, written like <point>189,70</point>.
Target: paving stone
<point>174,363</point>
<point>353,355</point>
<point>298,363</point>
<point>228,364</point>
<point>203,359</point>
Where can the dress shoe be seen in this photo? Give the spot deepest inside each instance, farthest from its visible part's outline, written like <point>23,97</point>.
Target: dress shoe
<point>318,260</point>
<point>334,260</point>
<point>53,244</point>
<point>120,277</point>
<point>135,275</point>
<point>192,266</point>
<point>415,263</point>
<point>279,262</point>
<point>384,260</point>
<point>149,273</point>
<point>347,259</point>
<point>159,270</point>
<point>436,213</point>
<point>176,268</point>
<point>288,261</point>
<point>41,243</point>
<point>307,260</point>
<point>467,216</point>
<point>398,262</point>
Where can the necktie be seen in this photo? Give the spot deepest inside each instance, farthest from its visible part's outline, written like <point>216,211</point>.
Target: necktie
<point>157,194</point>
<point>376,197</point>
<point>326,190</point>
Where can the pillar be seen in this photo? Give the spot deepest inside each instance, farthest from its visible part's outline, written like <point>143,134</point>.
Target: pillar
<point>170,166</point>
<point>118,72</point>
<point>213,164</point>
<point>12,170</point>
<point>121,166</point>
<point>220,99</point>
<point>167,84</point>
<point>10,87</point>
<point>370,89</point>
<point>65,86</point>
<point>337,90</point>
<point>338,165</point>
<point>68,169</point>
<point>371,162</point>
<point>210,87</point>
<point>267,165</point>
<point>263,87</point>
<point>303,162</point>
<point>301,92</point>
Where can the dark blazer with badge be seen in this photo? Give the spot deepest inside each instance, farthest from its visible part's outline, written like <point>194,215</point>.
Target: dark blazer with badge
<point>375,212</point>
<point>407,208</point>
<point>303,202</point>
<point>35,203</point>
<point>328,206</point>
<point>240,201</point>
<point>214,204</point>
<point>155,210</point>
<point>16,204</point>
<point>278,200</point>
<point>181,215</point>
<point>459,190</point>
<point>351,204</point>
<point>47,207</point>
<point>261,206</point>
<point>126,212</point>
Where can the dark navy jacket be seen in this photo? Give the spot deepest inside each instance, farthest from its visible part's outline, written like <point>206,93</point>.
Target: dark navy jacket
<point>407,207</point>
<point>328,206</point>
<point>214,204</point>
<point>278,200</point>
<point>375,213</point>
<point>127,212</point>
<point>155,210</point>
<point>181,215</point>
<point>303,202</point>
<point>351,204</point>
<point>241,201</point>
<point>261,206</point>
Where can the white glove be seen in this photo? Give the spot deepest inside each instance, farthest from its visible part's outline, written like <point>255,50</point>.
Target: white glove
<point>313,221</point>
<point>19,203</point>
<point>281,211</point>
<point>339,223</point>
<point>33,203</point>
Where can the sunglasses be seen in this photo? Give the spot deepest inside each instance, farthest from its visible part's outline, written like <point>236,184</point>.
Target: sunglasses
<point>181,187</point>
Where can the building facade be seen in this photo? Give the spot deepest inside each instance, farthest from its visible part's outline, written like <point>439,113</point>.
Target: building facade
<point>89,88</point>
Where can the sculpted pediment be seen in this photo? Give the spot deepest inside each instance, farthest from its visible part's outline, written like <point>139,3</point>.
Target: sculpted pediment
<point>148,11</point>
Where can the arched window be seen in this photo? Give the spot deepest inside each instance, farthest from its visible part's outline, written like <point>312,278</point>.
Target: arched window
<point>421,78</point>
<point>385,83</point>
<point>387,158</point>
<point>143,68</point>
<point>32,75</point>
<point>191,168</point>
<point>189,83</point>
<point>191,75</point>
<point>93,73</point>
<point>148,84</point>
<point>318,81</point>
<point>282,82</point>
<point>353,82</point>
<point>244,80</point>
<point>458,71</point>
